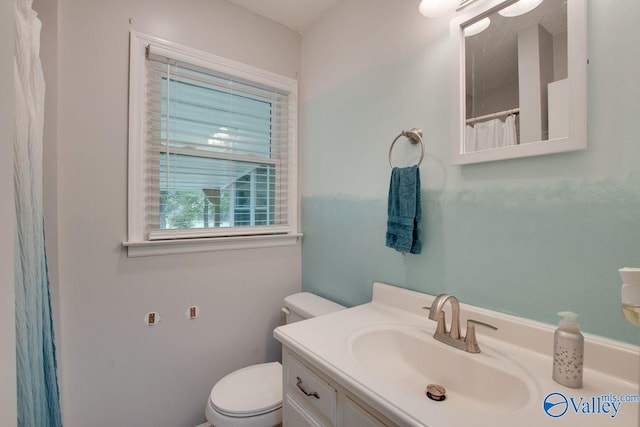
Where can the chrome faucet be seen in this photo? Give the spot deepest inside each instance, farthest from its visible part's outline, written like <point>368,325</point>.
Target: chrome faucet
<point>453,337</point>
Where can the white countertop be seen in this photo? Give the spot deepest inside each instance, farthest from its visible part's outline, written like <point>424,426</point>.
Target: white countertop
<point>519,345</point>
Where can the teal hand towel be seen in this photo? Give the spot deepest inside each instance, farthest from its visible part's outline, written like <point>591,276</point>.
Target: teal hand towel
<point>404,229</point>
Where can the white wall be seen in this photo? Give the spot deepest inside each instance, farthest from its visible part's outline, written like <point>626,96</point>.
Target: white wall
<point>7,313</point>
<point>115,370</point>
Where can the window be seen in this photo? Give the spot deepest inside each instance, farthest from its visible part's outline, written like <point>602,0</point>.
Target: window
<point>212,152</point>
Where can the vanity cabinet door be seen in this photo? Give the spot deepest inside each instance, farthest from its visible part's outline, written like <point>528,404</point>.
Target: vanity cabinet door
<point>311,392</point>
<point>295,415</point>
<point>313,398</point>
<point>352,414</point>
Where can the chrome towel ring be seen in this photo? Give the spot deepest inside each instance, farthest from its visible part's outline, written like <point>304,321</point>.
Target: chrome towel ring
<point>415,136</point>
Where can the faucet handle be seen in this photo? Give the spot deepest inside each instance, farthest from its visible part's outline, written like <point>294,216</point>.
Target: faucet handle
<point>477,322</point>
<point>470,341</point>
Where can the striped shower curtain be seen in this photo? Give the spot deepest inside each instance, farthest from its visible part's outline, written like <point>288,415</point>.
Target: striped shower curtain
<point>38,403</point>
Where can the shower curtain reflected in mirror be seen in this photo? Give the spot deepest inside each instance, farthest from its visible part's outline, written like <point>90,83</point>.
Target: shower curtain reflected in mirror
<point>491,134</point>
<point>37,388</point>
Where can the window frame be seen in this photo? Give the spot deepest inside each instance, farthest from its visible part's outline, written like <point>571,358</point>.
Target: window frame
<point>140,245</point>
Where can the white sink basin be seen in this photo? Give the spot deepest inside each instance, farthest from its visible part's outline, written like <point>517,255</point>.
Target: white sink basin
<point>407,359</point>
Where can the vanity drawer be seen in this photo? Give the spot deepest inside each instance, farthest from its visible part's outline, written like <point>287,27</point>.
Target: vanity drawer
<point>310,389</point>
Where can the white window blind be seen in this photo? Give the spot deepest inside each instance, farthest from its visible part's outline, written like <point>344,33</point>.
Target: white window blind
<point>216,153</point>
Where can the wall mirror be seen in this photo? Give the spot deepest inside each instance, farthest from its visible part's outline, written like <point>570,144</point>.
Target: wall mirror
<point>519,85</point>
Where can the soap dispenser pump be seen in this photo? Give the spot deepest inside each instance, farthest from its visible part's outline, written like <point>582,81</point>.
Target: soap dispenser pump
<point>568,351</point>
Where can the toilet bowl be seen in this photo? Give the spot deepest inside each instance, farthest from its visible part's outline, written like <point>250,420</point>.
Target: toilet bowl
<point>252,396</point>
<point>247,397</point>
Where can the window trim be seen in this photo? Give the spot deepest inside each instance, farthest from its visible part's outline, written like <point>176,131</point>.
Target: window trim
<point>137,244</point>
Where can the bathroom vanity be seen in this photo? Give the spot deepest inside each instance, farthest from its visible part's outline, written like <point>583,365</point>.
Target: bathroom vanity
<point>312,398</point>
<point>370,365</point>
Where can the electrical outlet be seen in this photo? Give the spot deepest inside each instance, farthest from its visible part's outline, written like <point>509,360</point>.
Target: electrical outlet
<point>151,318</point>
<point>193,312</point>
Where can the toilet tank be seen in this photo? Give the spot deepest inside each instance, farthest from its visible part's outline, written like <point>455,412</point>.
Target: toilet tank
<point>305,305</point>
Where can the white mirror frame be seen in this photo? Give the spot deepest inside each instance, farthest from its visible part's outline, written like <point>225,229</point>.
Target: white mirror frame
<point>577,99</point>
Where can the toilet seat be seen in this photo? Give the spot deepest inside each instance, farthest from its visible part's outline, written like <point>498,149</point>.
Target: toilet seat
<point>216,419</point>
<point>250,391</point>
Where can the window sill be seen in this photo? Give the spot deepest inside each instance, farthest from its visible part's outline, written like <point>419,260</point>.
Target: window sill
<point>188,246</point>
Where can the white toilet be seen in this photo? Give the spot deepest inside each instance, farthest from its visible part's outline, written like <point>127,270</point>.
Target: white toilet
<point>252,396</point>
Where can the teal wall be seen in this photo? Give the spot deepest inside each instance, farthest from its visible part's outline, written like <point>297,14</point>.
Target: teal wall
<point>529,236</point>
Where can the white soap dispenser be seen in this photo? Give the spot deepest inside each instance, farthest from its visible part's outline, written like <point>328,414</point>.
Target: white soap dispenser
<point>568,351</point>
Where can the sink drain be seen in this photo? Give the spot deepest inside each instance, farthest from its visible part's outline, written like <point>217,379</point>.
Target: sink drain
<point>436,392</point>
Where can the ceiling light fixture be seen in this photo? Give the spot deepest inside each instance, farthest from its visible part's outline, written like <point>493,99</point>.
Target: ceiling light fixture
<point>519,8</point>
<point>436,8</point>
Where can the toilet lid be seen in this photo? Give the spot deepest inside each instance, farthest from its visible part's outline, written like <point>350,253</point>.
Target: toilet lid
<point>249,391</point>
